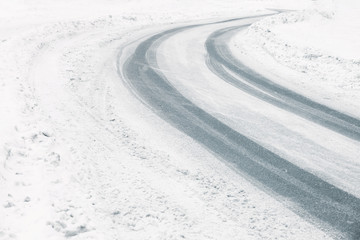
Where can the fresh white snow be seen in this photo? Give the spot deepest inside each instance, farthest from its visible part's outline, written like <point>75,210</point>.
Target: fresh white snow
<point>315,51</point>
<point>82,158</point>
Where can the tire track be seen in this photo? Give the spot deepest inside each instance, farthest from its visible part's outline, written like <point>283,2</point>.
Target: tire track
<point>246,79</point>
<point>311,197</point>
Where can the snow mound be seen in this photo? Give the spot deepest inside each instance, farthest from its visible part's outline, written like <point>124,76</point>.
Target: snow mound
<point>279,36</point>
<point>321,46</point>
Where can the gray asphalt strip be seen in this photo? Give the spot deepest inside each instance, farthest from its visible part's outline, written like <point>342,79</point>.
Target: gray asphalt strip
<point>220,58</point>
<point>311,197</point>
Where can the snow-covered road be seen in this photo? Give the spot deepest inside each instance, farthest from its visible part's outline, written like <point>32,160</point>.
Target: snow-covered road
<point>308,193</point>
<point>90,152</point>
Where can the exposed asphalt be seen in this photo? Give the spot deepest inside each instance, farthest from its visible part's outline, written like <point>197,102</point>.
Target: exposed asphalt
<point>310,197</point>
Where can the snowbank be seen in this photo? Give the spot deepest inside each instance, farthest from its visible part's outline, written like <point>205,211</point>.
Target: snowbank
<point>318,49</point>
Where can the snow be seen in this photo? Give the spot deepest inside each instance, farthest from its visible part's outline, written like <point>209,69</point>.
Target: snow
<point>315,52</point>
<point>300,141</point>
<point>317,49</point>
<point>81,158</point>
<point>338,35</point>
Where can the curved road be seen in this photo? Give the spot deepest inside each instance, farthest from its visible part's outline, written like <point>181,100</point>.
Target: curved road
<point>251,82</point>
<point>312,197</point>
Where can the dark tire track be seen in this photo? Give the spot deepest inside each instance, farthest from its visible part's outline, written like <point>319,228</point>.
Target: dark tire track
<point>312,198</point>
<point>220,58</point>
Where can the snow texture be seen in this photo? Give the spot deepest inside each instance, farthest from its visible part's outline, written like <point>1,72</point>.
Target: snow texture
<point>81,158</point>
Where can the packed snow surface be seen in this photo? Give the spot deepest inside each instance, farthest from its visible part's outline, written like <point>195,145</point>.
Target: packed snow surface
<point>82,158</point>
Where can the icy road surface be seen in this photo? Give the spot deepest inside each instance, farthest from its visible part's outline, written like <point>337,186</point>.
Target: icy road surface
<point>212,116</point>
